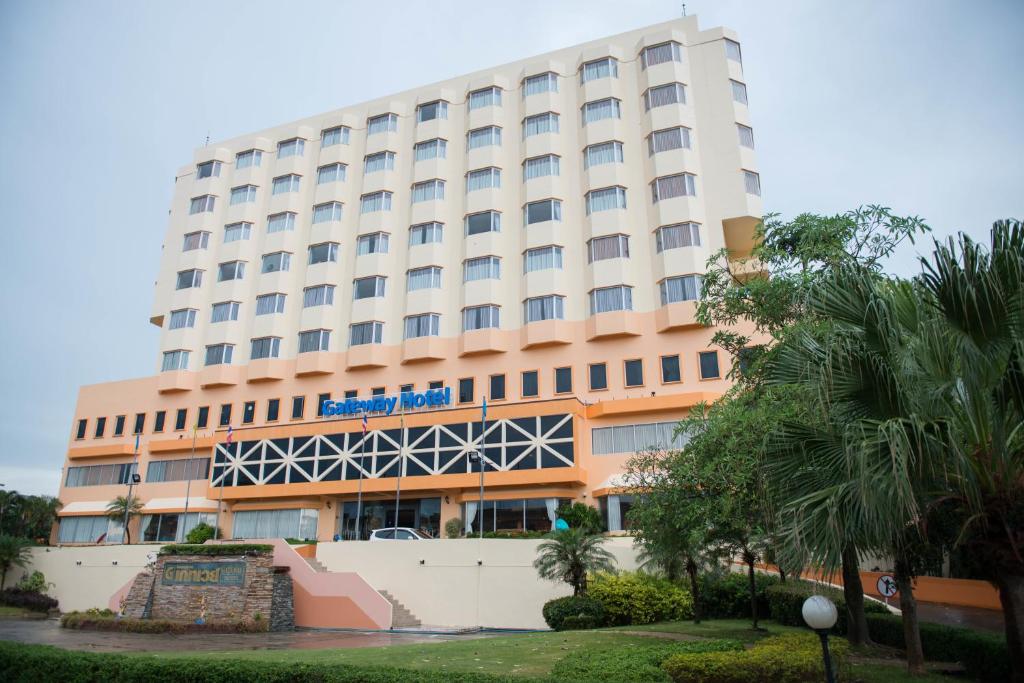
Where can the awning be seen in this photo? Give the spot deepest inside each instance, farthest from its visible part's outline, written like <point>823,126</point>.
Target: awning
<point>611,486</point>
<point>84,507</point>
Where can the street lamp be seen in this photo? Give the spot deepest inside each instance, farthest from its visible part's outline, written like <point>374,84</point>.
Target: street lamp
<point>820,614</point>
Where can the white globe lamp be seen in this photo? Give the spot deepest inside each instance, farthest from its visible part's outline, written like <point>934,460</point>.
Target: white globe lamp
<point>820,614</point>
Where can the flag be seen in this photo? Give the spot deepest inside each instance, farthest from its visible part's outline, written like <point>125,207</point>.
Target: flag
<point>195,427</point>
<point>136,443</point>
<point>231,432</point>
<point>364,424</point>
<point>483,415</point>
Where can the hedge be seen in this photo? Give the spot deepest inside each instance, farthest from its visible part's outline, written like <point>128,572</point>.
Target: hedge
<point>32,600</point>
<point>635,662</point>
<point>21,663</point>
<point>572,613</point>
<point>786,601</point>
<point>216,550</point>
<point>790,658</point>
<point>728,596</point>
<point>636,598</point>
<point>98,621</point>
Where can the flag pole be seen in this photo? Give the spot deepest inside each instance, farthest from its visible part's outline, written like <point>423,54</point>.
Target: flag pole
<point>401,447</point>
<point>131,483</point>
<point>359,496</point>
<point>223,477</point>
<point>188,481</point>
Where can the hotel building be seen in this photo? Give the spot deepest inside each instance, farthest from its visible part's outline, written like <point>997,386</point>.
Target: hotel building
<point>532,234</point>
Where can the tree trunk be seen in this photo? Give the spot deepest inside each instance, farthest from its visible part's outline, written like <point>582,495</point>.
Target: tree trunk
<point>1011,595</point>
<point>853,594</point>
<point>782,574</point>
<point>3,578</point>
<point>911,628</point>
<point>691,570</point>
<point>749,558</point>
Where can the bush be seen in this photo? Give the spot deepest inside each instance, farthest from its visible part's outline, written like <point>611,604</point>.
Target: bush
<point>636,598</point>
<point>728,596</point>
<point>300,541</point>
<point>32,600</point>
<point>790,658</point>
<point>512,533</point>
<point>200,533</point>
<point>35,582</point>
<point>558,610</point>
<point>100,621</point>
<point>217,550</point>
<point>786,601</point>
<point>984,655</point>
<point>633,662</point>
<point>582,516</point>
<point>454,528</point>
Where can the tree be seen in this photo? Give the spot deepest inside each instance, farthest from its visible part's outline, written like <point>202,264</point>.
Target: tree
<point>569,555</point>
<point>14,551</point>
<point>581,516</point>
<point>27,516</point>
<point>200,533</point>
<point>121,506</point>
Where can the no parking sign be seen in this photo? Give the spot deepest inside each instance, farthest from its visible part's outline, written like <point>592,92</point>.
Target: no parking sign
<point>886,585</point>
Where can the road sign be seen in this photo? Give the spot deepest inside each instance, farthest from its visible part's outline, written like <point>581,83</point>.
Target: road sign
<point>886,585</point>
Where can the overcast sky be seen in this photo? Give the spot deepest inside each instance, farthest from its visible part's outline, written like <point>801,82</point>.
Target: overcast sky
<point>916,105</point>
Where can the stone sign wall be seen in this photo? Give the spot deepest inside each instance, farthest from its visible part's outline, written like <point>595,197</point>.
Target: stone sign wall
<point>230,588</point>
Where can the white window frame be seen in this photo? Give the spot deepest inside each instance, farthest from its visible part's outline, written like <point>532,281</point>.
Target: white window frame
<point>373,243</point>
<point>308,343</point>
<point>332,253</point>
<point>283,262</point>
<point>242,194</point>
<point>294,147</point>
<point>431,229</point>
<point>376,332</point>
<point>421,325</point>
<point>264,348</point>
<point>379,287</point>
<point>185,317</point>
<point>660,186</point>
<point>611,299</point>
<point>550,257</point>
<point>318,295</point>
<point>270,304</point>
<point>427,277</point>
<point>557,306</point>
<point>373,202</point>
<point>328,212</point>
<point>282,221</point>
<point>481,268</point>
<point>495,222</point>
<point>331,173</point>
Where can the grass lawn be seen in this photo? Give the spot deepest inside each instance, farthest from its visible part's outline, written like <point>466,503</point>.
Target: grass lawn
<point>19,613</point>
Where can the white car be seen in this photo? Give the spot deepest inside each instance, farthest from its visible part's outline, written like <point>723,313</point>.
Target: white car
<point>399,534</point>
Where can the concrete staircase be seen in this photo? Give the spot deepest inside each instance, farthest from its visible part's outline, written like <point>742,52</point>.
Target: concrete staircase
<point>401,616</point>
<point>315,564</point>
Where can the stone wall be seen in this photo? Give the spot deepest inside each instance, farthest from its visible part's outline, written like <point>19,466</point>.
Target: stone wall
<point>138,603</point>
<point>282,613</point>
<point>216,602</point>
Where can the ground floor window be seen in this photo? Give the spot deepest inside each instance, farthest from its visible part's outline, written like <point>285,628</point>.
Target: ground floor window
<point>90,529</point>
<point>615,511</point>
<point>298,523</point>
<point>415,513</point>
<point>171,527</point>
<point>521,514</point>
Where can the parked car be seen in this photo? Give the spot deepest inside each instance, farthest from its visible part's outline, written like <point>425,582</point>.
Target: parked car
<point>399,534</point>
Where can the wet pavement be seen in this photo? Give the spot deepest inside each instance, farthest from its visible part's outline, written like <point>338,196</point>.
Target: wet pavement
<point>968,617</point>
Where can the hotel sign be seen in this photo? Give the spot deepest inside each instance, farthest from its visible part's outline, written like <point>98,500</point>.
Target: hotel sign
<point>409,400</point>
<point>204,574</point>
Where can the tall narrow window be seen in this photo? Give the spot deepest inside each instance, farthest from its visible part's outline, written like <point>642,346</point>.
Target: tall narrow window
<point>605,199</point>
<point>327,212</point>
<point>379,161</point>
<point>225,414</point>
<point>598,110</point>
<point>541,83</point>
<point>248,412</point>
<point>709,365</point>
<point>375,201</point>
<point>276,262</point>
<point>485,97</point>
<point>683,288</point>
<point>285,183</point>
<point>746,134</point>
<point>219,354</point>
<point>483,137</point>
<point>320,295</point>
<point>366,333</point>
<point>331,173</point>
<point>634,372</point>
<point>662,95</point>
<point>529,383</point>
<point>551,307</point>
<point>485,221</point>
<point>426,233</point>
<point>184,317</point>
<point>659,54</point>
<point>608,299</point>
<point>236,232</point>
<point>466,390</point>
<point>732,51</point>
<point>196,240</point>
<point>603,248</point>
<point>667,139</point>
<point>431,111</point>
<point>119,425</point>
<point>268,304</point>
<point>563,380</point>
<point>374,243</point>
<point>160,419</point>
<point>544,210</point>
<point>431,149</point>
<point>483,268</point>
<point>538,167</point>
<point>334,136</point>
<point>603,153</point>
<point>180,419</point>
<point>298,407</point>
<point>291,148</point>
<point>481,317</point>
<point>424,278</point>
<point>497,388</point>
<point>752,183</point>
<point>667,187</point>
<point>323,253</point>
<point>540,123</point>
<point>739,92</point>
<point>273,409</point>
<point>312,341</point>
<point>369,287</point>
<point>384,123</point>
<point>203,204</point>
<point>678,235</point>
<point>265,347</point>
<point>203,417</point>
<point>248,159</point>
<point>670,370</point>
<point>424,325</point>
<point>428,190</point>
<point>140,423</point>
<point>280,222</point>
<point>542,258</point>
<point>483,178</point>
<point>598,375</point>
<point>607,67</point>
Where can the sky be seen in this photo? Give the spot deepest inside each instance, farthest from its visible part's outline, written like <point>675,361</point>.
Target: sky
<point>911,104</point>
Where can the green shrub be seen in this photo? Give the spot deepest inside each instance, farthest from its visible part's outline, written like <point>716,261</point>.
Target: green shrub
<point>300,541</point>
<point>107,621</point>
<point>786,601</point>
<point>454,528</point>
<point>579,622</point>
<point>636,598</point>
<point>512,533</point>
<point>581,516</point>
<point>984,655</point>
<point>31,600</point>
<point>217,550</point>
<point>556,611</point>
<point>200,533</point>
<point>35,582</point>
<point>639,662</point>
<point>789,658</point>
<point>728,596</point>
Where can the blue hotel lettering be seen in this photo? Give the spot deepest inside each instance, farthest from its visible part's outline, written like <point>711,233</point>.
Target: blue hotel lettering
<point>410,400</point>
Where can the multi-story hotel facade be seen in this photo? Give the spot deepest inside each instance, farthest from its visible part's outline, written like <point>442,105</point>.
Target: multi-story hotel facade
<point>533,235</point>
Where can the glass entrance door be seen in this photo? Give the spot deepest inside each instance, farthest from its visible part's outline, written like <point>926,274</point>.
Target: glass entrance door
<point>417,513</point>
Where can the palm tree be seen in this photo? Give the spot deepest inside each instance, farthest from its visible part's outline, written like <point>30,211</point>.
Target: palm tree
<point>569,555</point>
<point>121,505</point>
<point>14,551</point>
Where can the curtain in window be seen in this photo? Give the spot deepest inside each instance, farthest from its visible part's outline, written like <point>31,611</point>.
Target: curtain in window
<point>381,124</point>
<point>237,231</point>
<point>88,529</point>
<point>196,240</point>
<point>202,204</point>
<point>424,278</point>
<point>752,183</point>
<point>224,311</point>
<point>746,134</point>
<point>540,166</point>
<point>248,159</point>
<point>426,325</point>
<point>608,299</point>
<point>613,246</point>
<point>551,505</point>
<point>545,308</point>
<point>431,149</point>
<point>542,258</point>
<point>267,304</point>
<point>480,317</point>
<point>367,287</point>
<point>685,288</point>
<point>534,85</point>
<point>672,93</point>
<point>471,507</point>
<point>243,194</point>
<point>277,261</point>
<point>374,243</point>
<point>680,185</point>
<point>322,253</point>
<point>607,198</point>
<point>175,360</point>
<point>671,138</point>
<point>185,317</point>
<point>545,210</point>
<point>290,148</point>
<point>431,111</point>
<point>219,354</point>
<point>604,153</point>
<point>659,54</point>
<point>280,222</point>
<point>601,68</point>
<point>427,191</point>
<point>334,136</point>
<point>739,92</point>
<point>541,123</point>
<point>381,161</point>
<point>425,233</point>
<point>483,268</point>
<point>330,173</point>
<point>483,137</point>
<point>601,109</point>
<point>322,295</point>
<point>487,97</point>
<point>287,183</point>
<point>614,514</point>
<point>265,347</point>
<point>483,178</point>
<point>376,201</point>
<point>676,236</point>
<point>232,270</point>
<point>366,333</point>
<point>314,340</point>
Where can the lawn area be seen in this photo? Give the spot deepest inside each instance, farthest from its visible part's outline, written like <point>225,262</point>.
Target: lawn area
<point>19,613</point>
<point>717,628</point>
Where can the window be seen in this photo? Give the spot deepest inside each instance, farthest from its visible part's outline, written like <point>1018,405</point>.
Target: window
<point>659,54</point>
<point>231,270</point>
<point>426,233</point>
<point>279,222</point>
<point>175,360</point>
<point>634,373</point>
<point>273,408</point>
<point>485,97</point>
<point>265,347</point>
<point>551,307</point>
<point>732,51</point>
<point>436,384</point>
<point>275,524</point>
<point>483,178</point>
<point>366,333</point>
<point>670,371</point>
<point>243,194</point>
<point>323,253</point>
<point>319,295</point>
<point>99,475</point>
<point>431,111</point>
<point>331,173</point>
<point>196,240</point>
<point>278,261</point>
<point>709,365</point>
<point>189,278</point>
<point>607,299</point>
<point>466,390</point>
<point>203,204</point>
<point>684,288</point>
<point>80,430</point>
<point>544,210</point>
<point>746,134</point>
<point>745,358</point>
<point>204,416</point>
<point>368,287</point>
<point>140,422</point>
<point>268,304</point>
<point>375,201</point>
<point>236,232</point>
<point>603,248</point>
<point>383,123</point>
<point>224,311</point>
<point>374,243</point>
<point>607,67</point>
<point>483,268</point>
<point>667,139</point>
<point>739,92</point>
<point>424,278</point>
<point>428,190</point>
<point>380,161</point>
<point>327,212</point>
<point>535,85</point>
<point>178,470</point>
<point>662,95</point>
<point>598,373</point>
<point>540,123</point>
<point>286,183</point>
<point>185,317</point>
<point>320,398</point>
<point>219,354</point>
<point>431,149</point>
<point>334,136</point>
<point>161,419</point>
<point>291,148</point>
<point>752,183</point>
<point>248,159</point>
<point>314,340</point>
<point>377,391</point>
<point>602,153</point>
<point>563,380</point>
<point>542,258</point>
<point>405,388</point>
<point>529,383</point>
<point>225,414</point>
<point>638,437</point>
<point>678,235</point>
<point>119,425</point>
<point>89,529</point>
<point>485,221</point>
<point>606,198</point>
<point>481,318</point>
<point>497,387</point>
<point>424,325</point>
<point>667,187</point>
<point>598,110</point>
<point>180,418</point>
<point>538,167</point>
<point>101,426</point>
<point>298,407</point>
<point>483,137</point>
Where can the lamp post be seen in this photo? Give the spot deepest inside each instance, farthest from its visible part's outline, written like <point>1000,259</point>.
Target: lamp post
<point>820,614</point>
